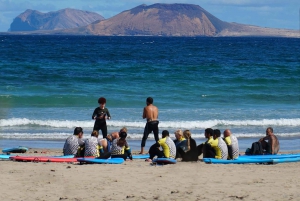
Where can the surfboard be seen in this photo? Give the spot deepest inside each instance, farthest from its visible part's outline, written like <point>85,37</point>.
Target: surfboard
<point>249,161</point>
<point>164,160</point>
<point>43,159</point>
<point>271,156</point>
<point>19,149</point>
<point>101,161</point>
<point>4,157</point>
<point>140,156</point>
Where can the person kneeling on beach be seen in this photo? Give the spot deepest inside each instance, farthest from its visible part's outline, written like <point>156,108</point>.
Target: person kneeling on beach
<point>93,147</point>
<point>205,148</point>
<point>188,148</point>
<point>168,148</point>
<point>120,147</point>
<point>74,144</point>
<point>232,145</point>
<point>219,145</point>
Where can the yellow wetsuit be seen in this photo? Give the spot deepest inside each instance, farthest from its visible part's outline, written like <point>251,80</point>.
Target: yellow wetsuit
<point>168,147</point>
<point>220,148</point>
<point>233,147</point>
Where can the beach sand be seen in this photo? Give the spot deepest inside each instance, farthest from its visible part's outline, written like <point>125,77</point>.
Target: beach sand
<point>138,180</point>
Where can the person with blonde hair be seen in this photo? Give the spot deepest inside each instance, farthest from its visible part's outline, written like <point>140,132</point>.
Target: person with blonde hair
<point>179,137</point>
<point>188,148</point>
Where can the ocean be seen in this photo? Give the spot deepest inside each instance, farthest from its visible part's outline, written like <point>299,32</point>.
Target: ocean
<point>51,84</point>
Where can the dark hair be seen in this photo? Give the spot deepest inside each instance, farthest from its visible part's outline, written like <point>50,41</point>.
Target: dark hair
<point>217,132</point>
<point>149,100</point>
<point>209,131</point>
<point>101,100</point>
<point>270,128</point>
<point>123,135</point>
<point>95,133</point>
<point>165,133</point>
<point>77,130</point>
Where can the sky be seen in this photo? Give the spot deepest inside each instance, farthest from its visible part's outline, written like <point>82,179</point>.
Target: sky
<point>265,13</point>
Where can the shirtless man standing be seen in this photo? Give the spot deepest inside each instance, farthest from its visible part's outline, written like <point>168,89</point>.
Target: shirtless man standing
<point>151,114</point>
<point>270,143</point>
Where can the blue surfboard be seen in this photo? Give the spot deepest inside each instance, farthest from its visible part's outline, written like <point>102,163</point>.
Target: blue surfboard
<point>140,156</point>
<point>66,156</point>
<point>4,157</point>
<point>19,149</point>
<point>101,161</point>
<point>278,156</point>
<point>248,161</point>
<point>164,160</point>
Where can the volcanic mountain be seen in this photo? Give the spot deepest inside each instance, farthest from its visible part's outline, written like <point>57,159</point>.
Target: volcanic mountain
<point>32,20</point>
<point>160,19</point>
<point>153,20</point>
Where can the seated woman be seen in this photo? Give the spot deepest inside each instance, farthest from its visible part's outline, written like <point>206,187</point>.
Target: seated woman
<point>168,147</point>
<point>120,147</point>
<point>93,146</point>
<point>188,148</point>
<point>179,137</point>
<point>107,142</point>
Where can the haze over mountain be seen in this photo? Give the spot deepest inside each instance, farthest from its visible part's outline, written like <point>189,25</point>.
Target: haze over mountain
<point>32,20</point>
<point>170,20</point>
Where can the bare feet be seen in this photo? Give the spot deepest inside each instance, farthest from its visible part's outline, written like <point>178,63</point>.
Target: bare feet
<point>148,160</point>
<point>142,150</point>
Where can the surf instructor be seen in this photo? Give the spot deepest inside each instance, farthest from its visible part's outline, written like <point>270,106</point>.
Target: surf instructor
<point>150,113</point>
<point>100,115</point>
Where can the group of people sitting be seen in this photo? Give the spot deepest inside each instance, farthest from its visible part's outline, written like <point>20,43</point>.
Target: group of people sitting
<point>184,146</point>
<point>114,145</point>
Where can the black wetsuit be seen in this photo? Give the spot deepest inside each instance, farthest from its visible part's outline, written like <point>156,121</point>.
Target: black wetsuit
<point>192,154</point>
<point>155,151</point>
<point>100,124</point>
<point>150,126</point>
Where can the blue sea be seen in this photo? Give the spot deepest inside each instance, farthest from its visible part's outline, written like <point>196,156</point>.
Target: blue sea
<point>51,84</point>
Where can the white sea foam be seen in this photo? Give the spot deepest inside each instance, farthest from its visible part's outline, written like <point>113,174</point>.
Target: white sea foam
<point>140,124</point>
<point>134,136</point>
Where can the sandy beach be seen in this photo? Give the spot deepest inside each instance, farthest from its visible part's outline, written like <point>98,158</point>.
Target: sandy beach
<point>138,180</point>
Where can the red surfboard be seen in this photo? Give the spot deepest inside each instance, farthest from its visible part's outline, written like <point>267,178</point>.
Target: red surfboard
<point>43,159</point>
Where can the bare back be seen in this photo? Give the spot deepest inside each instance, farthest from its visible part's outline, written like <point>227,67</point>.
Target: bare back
<point>150,113</point>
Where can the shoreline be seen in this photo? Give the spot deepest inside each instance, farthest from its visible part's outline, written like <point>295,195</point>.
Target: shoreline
<point>286,143</point>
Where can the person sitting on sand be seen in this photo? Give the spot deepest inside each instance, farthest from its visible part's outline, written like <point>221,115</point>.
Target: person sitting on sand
<point>219,145</point>
<point>74,144</point>
<point>188,148</point>
<point>168,148</point>
<point>179,137</point>
<point>107,142</point>
<point>232,144</point>
<point>205,148</point>
<point>120,147</point>
<point>93,146</point>
<point>270,143</point>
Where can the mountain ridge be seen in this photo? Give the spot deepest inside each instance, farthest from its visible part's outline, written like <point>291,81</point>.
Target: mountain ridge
<point>32,20</point>
<point>169,20</point>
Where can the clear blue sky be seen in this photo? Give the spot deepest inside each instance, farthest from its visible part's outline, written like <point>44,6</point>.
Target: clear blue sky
<point>264,13</point>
